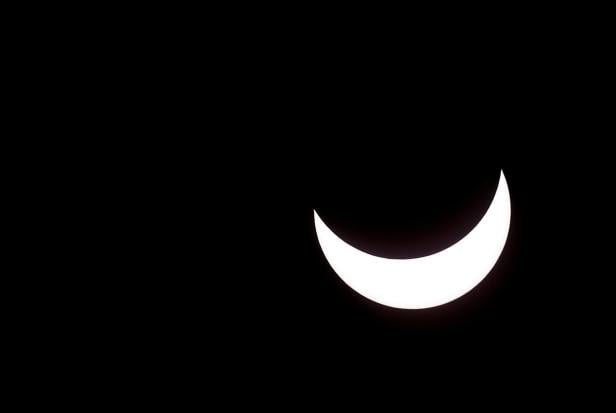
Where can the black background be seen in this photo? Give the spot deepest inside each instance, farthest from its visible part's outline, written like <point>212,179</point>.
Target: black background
<point>216,154</point>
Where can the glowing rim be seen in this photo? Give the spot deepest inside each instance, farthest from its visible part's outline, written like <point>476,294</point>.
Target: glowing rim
<point>427,281</point>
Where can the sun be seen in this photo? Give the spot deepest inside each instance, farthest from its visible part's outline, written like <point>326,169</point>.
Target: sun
<point>427,281</point>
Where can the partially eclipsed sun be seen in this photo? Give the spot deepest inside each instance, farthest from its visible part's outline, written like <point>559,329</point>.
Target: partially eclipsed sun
<point>427,281</point>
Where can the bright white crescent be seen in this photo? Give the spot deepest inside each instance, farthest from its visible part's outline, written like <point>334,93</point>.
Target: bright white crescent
<point>427,281</point>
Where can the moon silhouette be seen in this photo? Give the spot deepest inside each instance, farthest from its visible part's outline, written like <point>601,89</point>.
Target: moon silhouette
<point>428,281</point>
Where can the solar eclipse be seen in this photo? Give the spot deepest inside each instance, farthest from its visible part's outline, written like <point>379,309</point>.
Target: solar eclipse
<point>428,281</point>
